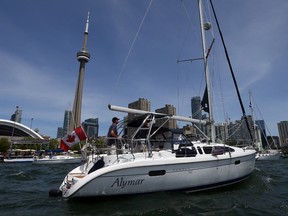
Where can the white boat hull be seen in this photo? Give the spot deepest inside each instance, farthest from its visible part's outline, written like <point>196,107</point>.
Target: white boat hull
<point>18,160</point>
<point>268,156</point>
<point>160,173</point>
<point>58,160</point>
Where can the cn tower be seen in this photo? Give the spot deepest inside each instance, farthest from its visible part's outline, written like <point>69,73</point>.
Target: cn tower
<point>83,56</point>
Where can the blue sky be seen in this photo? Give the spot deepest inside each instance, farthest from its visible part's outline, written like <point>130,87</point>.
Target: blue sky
<point>40,39</point>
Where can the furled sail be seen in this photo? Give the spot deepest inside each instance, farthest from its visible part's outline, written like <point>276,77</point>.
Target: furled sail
<point>204,102</point>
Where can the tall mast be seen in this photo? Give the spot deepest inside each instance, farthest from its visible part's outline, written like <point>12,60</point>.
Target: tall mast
<point>83,56</point>
<point>257,132</point>
<point>211,126</point>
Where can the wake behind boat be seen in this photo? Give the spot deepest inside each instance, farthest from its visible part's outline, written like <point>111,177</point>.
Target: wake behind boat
<point>157,159</point>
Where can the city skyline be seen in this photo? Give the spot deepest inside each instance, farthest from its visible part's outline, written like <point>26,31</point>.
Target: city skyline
<point>39,70</point>
<point>91,125</point>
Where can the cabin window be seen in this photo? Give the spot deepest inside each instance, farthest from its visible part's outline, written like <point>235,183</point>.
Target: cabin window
<point>207,149</point>
<point>186,152</point>
<point>228,149</point>
<point>199,150</point>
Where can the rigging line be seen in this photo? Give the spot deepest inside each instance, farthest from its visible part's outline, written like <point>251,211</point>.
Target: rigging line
<point>186,35</point>
<point>262,132</point>
<point>210,18</point>
<point>189,18</point>
<point>238,125</point>
<point>196,113</point>
<point>130,49</point>
<point>193,59</point>
<point>232,73</point>
<point>262,129</point>
<point>178,90</point>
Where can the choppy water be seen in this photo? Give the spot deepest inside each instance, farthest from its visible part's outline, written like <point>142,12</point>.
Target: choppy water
<point>24,191</point>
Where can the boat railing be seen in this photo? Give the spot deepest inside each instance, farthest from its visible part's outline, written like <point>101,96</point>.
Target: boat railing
<point>114,146</point>
<point>135,145</point>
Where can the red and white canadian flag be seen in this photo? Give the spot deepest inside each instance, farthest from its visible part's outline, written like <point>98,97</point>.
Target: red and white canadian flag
<point>70,140</point>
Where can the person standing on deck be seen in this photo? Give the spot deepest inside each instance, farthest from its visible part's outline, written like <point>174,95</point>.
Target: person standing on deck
<point>112,134</point>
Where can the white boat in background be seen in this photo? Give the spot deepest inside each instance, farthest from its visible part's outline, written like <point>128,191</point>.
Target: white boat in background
<point>162,159</point>
<point>19,156</point>
<point>58,159</point>
<point>262,154</point>
<point>269,155</point>
<point>19,159</point>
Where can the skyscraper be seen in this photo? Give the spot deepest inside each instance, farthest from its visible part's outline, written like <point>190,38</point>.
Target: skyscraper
<point>170,110</point>
<point>59,132</point>
<point>262,128</point>
<point>83,56</point>
<point>17,116</point>
<point>140,104</point>
<point>67,122</point>
<point>196,107</point>
<point>197,113</point>
<point>283,132</point>
<point>91,127</point>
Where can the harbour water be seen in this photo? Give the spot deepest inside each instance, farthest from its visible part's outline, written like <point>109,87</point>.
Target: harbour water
<point>24,191</point>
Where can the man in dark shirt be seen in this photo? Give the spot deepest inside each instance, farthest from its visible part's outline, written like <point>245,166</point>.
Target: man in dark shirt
<point>112,134</point>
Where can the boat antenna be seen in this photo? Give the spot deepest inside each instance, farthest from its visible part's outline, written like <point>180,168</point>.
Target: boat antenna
<point>232,73</point>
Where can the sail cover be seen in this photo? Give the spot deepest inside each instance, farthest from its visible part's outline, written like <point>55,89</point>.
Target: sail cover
<point>204,102</point>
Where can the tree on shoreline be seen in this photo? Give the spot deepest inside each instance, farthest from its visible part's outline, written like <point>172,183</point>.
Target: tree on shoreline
<point>4,145</point>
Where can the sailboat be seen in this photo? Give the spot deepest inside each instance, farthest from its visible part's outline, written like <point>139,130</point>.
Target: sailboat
<point>156,159</point>
<point>19,156</point>
<point>53,158</point>
<point>269,154</point>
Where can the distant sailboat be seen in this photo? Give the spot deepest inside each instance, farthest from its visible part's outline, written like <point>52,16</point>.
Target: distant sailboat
<point>262,154</point>
<point>19,156</point>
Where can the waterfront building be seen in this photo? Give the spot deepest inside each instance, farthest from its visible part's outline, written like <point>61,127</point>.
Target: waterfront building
<point>83,56</point>
<point>283,132</point>
<point>245,132</point>
<point>190,132</point>
<point>238,132</point>
<point>274,142</point>
<point>221,130</point>
<point>170,110</point>
<point>234,132</point>
<point>59,133</point>
<point>67,121</point>
<point>196,107</point>
<point>140,104</point>
<point>262,128</point>
<point>91,127</point>
<point>13,130</point>
<point>197,111</point>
